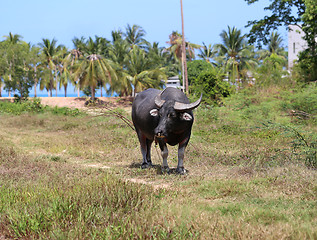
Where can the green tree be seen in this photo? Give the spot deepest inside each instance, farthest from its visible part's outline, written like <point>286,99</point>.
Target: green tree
<point>175,42</point>
<point>283,12</point>
<point>134,35</point>
<point>35,65</point>
<point>64,65</point>
<point>274,46</point>
<point>117,52</point>
<point>271,71</point>
<point>74,55</point>
<point>12,41</point>
<point>21,71</point>
<point>3,63</point>
<point>160,58</point>
<point>93,68</point>
<point>235,55</point>
<point>195,68</point>
<point>207,53</point>
<point>308,58</point>
<point>140,73</point>
<point>212,86</point>
<point>50,51</point>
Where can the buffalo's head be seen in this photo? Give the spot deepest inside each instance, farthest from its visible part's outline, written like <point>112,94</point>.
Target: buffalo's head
<point>174,117</point>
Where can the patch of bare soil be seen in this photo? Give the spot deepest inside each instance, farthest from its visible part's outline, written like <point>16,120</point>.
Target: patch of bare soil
<point>81,102</point>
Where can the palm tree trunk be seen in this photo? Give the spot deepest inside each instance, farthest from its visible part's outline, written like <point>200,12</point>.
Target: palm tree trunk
<point>9,91</point>
<point>51,85</point>
<point>35,80</point>
<point>92,93</point>
<point>56,81</point>
<point>65,88</point>
<point>35,86</point>
<point>184,63</point>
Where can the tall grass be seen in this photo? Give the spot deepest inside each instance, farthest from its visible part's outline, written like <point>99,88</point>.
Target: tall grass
<point>250,175</point>
<point>50,200</point>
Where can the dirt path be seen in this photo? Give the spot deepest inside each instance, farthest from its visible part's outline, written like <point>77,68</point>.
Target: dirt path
<point>75,102</point>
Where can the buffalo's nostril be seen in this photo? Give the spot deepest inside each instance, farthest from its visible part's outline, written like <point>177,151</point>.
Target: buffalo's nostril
<point>159,134</point>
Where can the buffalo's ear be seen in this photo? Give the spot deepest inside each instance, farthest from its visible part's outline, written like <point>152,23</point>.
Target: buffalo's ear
<point>154,112</point>
<point>186,116</point>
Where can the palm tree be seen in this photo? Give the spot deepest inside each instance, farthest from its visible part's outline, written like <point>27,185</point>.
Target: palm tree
<point>207,52</point>
<point>75,54</point>
<point>116,35</point>
<point>92,68</point>
<point>140,73</point>
<point>274,46</point>
<point>35,62</point>
<point>64,67</point>
<point>135,36</point>
<point>50,52</point>
<point>176,47</point>
<point>275,43</point>
<point>175,42</point>
<point>117,53</point>
<point>234,53</point>
<point>160,58</point>
<point>13,38</point>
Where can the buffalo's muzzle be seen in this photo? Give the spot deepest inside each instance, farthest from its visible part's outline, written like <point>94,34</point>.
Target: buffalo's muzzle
<point>159,135</point>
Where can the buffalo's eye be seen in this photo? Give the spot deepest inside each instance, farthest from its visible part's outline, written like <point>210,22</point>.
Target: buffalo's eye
<point>171,115</point>
<point>154,112</point>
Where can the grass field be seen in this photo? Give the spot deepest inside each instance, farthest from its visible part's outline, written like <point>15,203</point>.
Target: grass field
<point>251,173</point>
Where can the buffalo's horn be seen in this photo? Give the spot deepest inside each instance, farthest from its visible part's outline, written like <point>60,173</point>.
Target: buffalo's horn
<point>183,106</point>
<point>158,100</point>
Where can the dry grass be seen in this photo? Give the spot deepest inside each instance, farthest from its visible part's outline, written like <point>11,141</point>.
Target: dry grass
<point>243,181</point>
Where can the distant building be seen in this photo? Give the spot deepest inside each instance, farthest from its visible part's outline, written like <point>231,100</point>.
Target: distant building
<point>296,44</point>
<point>173,82</point>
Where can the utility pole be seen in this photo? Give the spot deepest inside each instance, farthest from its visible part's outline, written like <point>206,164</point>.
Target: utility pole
<point>184,62</point>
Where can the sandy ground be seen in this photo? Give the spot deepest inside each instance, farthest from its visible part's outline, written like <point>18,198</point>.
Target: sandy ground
<point>75,102</point>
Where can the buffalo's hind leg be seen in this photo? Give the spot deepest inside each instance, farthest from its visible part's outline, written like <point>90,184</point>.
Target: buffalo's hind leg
<point>148,152</point>
<point>145,145</point>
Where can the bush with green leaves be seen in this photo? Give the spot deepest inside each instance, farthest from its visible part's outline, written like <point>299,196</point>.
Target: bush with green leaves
<point>302,103</point>
<point>34,106</point>
<point>195,68</point>
<point>212,86</point>
<point>271,72</point>
<point>21,106</point>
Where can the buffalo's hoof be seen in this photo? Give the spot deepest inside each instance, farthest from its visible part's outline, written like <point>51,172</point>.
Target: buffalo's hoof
<point>165,169</point>
<point>181,170</point>
<point>146,165</point>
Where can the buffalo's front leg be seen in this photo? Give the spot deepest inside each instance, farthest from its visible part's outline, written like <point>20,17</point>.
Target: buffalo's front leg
<point>181,152</point>
<point>164,154</point>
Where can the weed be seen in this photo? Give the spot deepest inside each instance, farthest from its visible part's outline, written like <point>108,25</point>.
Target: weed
<point>304,147</point>
<point>247,175</point>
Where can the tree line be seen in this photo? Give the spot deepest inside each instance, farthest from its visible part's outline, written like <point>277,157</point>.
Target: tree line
<point>128,63</point>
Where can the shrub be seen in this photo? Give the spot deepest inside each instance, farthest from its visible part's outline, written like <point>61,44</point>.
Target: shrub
<point>212,86</point>
<point>20,106</point>
<point>195,68</point>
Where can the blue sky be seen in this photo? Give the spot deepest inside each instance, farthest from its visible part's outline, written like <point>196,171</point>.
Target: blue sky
<point>66,19</point>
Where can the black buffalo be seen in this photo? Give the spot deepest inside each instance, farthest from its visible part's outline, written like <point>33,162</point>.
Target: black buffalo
<point>166,117</point>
